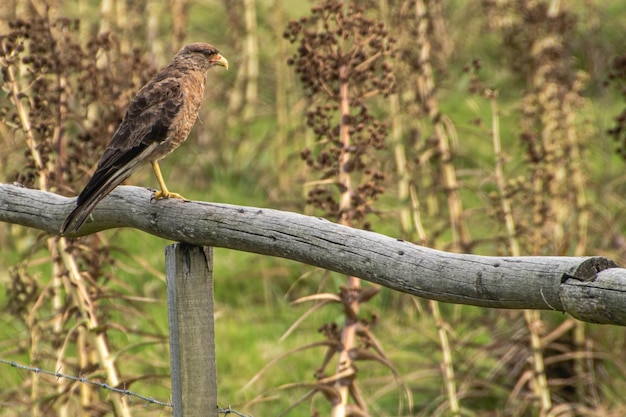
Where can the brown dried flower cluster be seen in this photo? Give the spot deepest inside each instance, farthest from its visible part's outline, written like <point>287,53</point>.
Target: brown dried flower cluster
<point>617,76</point>
<point>73,92</point>
<point>339,46</point>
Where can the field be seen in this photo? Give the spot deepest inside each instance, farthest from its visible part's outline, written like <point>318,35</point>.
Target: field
<point>487,127</point>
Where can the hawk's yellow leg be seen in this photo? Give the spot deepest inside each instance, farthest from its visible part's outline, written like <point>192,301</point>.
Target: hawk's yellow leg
<point>163,193</point>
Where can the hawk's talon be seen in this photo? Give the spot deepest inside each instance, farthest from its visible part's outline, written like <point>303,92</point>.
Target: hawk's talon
<point>158,195</point>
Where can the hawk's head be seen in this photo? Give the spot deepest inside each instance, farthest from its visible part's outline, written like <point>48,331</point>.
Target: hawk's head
<point>200,56</point>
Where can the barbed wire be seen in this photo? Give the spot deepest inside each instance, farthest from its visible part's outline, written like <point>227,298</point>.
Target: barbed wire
<point>83,380</point>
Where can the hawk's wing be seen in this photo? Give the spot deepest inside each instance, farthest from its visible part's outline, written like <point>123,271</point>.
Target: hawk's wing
<point>147,123</point>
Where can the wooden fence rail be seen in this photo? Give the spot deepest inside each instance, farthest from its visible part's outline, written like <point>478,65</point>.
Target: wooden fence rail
<point>589,288</point>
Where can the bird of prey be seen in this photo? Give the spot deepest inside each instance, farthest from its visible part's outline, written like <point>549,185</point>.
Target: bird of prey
<point>157,121</point>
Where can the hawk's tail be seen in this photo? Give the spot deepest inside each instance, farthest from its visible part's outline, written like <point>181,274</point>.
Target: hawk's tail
<point>98,187</point>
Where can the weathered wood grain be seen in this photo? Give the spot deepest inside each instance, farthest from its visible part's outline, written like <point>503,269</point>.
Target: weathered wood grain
<point>189,271</point>
<point>575,285</point>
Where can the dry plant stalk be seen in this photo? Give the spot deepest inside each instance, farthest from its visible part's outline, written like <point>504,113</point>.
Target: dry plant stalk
<point>537,37</point>
<point>243,97</point>
<point>58,247</point>
<point>342,62</point>
<point>50,79</point>
<point>442,131</point>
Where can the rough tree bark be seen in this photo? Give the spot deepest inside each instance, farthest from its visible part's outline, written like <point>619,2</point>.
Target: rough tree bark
<point>591,288</point>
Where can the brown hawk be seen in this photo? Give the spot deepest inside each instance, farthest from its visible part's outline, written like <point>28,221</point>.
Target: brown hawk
<point>157,121</point>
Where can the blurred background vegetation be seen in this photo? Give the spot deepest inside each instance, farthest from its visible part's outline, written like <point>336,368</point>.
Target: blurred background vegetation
<point>503,124</point>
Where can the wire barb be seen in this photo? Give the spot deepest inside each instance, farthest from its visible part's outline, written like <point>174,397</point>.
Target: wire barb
<point>229,410</point>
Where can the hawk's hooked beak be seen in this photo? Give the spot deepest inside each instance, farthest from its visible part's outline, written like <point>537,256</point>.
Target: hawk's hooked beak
<point>220,60</point>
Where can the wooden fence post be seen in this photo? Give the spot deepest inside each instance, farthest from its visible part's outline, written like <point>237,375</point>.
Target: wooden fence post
<point>192,338</point>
